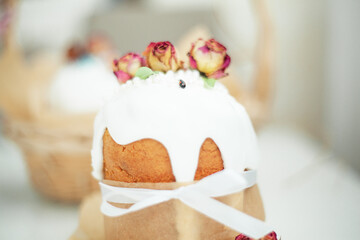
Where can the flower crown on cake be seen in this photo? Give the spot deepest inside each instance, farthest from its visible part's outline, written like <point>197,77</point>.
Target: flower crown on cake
<point>208,57</point>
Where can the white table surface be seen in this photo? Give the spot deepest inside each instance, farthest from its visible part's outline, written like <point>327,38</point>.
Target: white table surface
<point>308,193</point>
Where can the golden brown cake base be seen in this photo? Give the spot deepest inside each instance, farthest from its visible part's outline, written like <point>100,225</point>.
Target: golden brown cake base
<point>147,160</point>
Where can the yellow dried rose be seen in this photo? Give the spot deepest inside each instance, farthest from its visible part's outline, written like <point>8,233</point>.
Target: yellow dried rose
<point>161,56</point>
<point>209,57</point>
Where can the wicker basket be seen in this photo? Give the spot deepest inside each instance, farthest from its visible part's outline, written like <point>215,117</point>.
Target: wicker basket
<point>56,146</point>
<point>57,157</point>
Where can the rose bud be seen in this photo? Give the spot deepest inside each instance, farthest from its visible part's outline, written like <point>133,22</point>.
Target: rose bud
<point>126,67</point>
<point>270,236</point>
<point>209,57</point>
<point>161,56</point>
<point>242,237</point>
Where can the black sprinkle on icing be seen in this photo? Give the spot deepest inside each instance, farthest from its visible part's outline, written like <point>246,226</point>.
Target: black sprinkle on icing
<point>182,84</point>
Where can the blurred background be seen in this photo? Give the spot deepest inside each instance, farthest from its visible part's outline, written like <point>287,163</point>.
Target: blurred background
<point>295,66</point>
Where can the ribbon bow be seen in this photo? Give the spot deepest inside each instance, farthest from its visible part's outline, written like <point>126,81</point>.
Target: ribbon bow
<point>197,196</point>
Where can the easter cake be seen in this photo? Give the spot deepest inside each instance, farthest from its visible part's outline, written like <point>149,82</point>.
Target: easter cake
<point>169,123</point>
<point>169,140</point>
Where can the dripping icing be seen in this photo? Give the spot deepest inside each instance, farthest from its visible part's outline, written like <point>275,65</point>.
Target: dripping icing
<point>157,108</point>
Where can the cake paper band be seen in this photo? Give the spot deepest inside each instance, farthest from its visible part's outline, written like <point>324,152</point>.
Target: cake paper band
<point>197,196</point>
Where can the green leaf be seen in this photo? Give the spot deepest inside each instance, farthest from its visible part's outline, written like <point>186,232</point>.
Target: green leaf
<point>209,82</point>
<point>144,72</point>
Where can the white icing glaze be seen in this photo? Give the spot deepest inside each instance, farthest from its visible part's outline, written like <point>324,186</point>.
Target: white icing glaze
<point>181,119</point>
<point>82,86</point>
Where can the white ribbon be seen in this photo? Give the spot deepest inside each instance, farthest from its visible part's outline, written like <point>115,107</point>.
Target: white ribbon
<point>197,196</point>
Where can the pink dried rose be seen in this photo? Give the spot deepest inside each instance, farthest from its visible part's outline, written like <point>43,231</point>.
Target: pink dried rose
<point>161,56</point>
<point>125,67</point>
<point>270,236</point>
<point>242,237</point>
<point>209,57</point>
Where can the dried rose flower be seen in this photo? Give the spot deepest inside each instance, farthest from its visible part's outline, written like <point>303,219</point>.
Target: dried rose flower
<point>209,57</point>
<point>161,56</point>
<point>270,236</point>
<point>242,237</point>
<point>126,67</point>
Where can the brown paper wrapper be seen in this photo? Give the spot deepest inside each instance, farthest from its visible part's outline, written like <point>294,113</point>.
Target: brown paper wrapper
<point>91,220</point>
<point>174,220</point>
<point>92,223</point>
